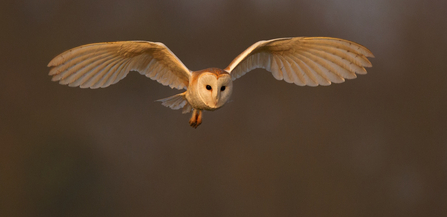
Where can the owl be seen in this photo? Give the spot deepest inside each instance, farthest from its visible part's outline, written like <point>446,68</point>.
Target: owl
<point>310,61</point>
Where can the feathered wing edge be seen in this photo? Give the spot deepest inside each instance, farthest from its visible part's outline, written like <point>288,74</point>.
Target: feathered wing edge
<point>304,61</point>
<point>176,102</point>
<point>102,64</point>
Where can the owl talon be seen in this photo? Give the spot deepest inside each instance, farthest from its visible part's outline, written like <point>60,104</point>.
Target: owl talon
<point>196,118</point>
<point>194,123</point>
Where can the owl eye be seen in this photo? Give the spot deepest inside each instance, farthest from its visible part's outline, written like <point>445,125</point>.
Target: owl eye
<point>222,88</point>
<point>208,87</point>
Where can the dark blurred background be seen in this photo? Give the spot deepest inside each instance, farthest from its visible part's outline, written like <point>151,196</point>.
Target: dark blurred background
<point>373,146</point>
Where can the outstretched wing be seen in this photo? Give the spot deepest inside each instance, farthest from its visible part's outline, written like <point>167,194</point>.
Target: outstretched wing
<point>304,61</point>
<point>102,64</point>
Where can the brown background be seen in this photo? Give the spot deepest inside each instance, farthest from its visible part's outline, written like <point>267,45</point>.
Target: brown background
<point>373,146</point>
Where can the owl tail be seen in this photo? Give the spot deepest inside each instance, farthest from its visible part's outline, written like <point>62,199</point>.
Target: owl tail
<point>176,102</point>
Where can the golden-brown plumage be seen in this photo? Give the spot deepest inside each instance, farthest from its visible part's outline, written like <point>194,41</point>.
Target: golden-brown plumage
<point>304,61</point>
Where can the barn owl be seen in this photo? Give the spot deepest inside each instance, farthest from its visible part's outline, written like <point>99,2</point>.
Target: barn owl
<point>303,61</point>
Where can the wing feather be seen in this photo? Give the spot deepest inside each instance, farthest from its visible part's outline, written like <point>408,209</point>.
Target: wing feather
<point>337,64</point>
<point>288,77</point>
<point>317,66</point>
<point>311,78</point>
<point>339,43</point>
<point>308,61</point>
<point>325,65</point>
<point>276,70</point>
<point>348,57</point>
<point>113,77</point>
<point>314,70</point>
<point>298,76</point>
<point>67,71</point>
<point>101,72</point>
<point>102,64</point>
<point>108,76</point>
<point>73,62</point>
<point>75,75</point>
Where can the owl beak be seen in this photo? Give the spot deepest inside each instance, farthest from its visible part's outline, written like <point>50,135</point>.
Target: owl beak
<point>216,97</point>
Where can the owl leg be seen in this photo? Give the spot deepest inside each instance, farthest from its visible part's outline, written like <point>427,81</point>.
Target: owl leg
<point>199,118</point>
<point>196,118</point>
<point>192,121</point>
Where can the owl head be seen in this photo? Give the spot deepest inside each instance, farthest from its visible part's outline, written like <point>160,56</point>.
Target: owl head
<point>212,88</point>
